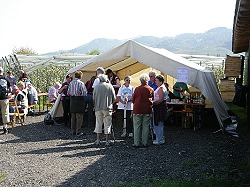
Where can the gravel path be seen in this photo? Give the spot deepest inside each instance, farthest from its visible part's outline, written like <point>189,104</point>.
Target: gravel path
<point>42,155</point>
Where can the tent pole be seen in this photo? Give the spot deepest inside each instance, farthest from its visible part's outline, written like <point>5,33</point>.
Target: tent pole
<point>248,89</point>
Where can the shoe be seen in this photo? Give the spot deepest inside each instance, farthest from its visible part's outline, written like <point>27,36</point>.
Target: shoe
<point>145,146</point>
<point>124,135</point>
<point>97,142</point>
<point>130,135</point>
<point>79,134</point>
<point>156,142</point>
<point>108,143</point>
<point>5,131</point>
<point>162,141</point>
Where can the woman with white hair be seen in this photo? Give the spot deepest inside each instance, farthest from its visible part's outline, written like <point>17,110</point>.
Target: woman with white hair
<point>143,101</point>
<point>103,97</point>
<point>53,92</point>
<point>151,82</point>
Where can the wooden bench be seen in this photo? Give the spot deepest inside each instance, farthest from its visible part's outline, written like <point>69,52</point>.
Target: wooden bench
<point>31,106</point>
<point>49,104</point>
<point>16,114</point>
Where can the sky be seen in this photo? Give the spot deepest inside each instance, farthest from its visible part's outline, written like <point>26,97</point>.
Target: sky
<point>53,25</point>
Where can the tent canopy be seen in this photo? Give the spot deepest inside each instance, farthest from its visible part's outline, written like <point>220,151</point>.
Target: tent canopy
<point>132,58</point>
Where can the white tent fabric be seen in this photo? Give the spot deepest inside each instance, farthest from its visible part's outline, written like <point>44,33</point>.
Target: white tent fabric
<point>131,57</point>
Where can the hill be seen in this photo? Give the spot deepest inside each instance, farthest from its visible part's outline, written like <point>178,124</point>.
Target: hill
<point>214,42</point>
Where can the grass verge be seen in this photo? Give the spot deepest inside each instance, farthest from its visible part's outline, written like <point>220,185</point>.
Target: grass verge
<point>2,177</point>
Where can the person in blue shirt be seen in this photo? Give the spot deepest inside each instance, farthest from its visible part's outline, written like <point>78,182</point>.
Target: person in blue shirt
<point>151,81</point>
<point>152,84</point>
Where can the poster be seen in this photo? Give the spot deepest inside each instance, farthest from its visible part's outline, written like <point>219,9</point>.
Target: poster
<point>182,75</point>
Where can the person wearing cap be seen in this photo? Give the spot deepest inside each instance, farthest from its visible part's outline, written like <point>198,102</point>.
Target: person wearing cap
<point>4,101</point>
<point>179,89</point>
<point>66,100</point>
<point>53,92</point>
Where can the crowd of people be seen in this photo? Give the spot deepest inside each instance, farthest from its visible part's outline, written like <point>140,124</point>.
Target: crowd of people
<point>21,91</point>
<point>143,108</point>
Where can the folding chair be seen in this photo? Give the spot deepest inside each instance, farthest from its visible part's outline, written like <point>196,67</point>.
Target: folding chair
<point>16,114</point>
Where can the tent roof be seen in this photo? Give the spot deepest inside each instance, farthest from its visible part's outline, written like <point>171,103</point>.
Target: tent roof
<point>131,53</point>
<point>132,57</point>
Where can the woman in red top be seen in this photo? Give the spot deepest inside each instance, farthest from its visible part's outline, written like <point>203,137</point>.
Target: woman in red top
<point>143,101</point>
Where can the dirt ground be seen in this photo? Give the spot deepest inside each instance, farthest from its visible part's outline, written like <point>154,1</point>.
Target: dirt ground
<point>49,155</point>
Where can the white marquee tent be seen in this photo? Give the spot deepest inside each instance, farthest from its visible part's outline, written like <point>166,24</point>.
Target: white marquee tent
<point>131,58</point>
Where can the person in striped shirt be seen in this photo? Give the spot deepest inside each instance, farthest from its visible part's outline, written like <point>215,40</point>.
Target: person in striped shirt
<point>77,91</point>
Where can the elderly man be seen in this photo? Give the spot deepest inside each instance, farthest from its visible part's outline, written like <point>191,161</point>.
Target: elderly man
<point>77,91</point>
<point>104,97</point>
<point>4,101</point>
<point>99,71</point>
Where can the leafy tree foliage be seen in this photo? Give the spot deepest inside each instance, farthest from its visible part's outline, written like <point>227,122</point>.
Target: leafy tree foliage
<point>45,76</point>
<point>94,52</point>
<point>24,51</point>
<point>218,73</point>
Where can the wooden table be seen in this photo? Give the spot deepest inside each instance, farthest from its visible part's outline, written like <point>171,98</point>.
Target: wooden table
<point>196,109</point>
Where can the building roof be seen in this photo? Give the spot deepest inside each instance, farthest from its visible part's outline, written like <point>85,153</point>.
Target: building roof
<point>241,27</point>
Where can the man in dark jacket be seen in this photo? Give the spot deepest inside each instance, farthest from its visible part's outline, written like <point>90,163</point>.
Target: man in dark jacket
<point>5,89</point>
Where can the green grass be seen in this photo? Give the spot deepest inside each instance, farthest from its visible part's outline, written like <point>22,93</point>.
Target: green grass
<point>2,177</point>
<point>209,182</point>
<point>242,114</point>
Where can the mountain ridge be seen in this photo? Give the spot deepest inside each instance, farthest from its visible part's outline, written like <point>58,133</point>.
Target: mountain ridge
<point>214,42</point>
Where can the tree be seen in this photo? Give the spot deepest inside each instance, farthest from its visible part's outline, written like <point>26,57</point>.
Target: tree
<point>94,52</point>
<point>23,51</point>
